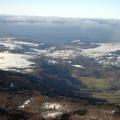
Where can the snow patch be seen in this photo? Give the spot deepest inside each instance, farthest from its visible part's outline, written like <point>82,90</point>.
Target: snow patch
<point>53,110</point>
<point>52,114</point>
<point>75,41</point>
<point>25,104</point>
<point>78,66</point>
<point>54,106</point>
<point>52,62</point>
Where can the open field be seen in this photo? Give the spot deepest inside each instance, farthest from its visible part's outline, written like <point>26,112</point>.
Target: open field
<point>95,83</point>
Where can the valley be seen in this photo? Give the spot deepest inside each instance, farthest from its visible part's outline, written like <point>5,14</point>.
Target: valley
<point>74,80</point>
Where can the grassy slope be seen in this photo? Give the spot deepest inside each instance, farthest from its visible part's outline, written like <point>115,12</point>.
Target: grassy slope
<point>94,83</point>
<point>112,98</point>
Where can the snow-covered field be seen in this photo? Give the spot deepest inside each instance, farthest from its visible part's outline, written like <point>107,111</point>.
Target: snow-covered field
<point>16,62</point>
<point>103,54</point>
<point>102,50</point>
<point>11,43</point>
<point>99,53</point>
<point>23,61</point>
<point>64,54</point>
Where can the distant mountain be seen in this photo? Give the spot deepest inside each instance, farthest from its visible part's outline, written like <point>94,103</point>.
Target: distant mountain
<point>57,19</point>
<point>59,29</point>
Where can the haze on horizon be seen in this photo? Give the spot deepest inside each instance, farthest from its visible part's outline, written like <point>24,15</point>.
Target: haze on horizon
<point>108,9</point>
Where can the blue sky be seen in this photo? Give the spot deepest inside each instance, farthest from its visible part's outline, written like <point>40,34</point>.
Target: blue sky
<point>63,8</point>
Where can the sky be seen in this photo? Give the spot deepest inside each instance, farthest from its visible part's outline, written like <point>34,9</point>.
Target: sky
<point>62,8</point>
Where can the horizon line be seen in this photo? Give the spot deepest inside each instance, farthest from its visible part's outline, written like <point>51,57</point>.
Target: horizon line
<point>13,15</point>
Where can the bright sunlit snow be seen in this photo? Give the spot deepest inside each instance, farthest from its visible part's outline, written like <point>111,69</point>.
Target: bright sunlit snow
<point>102,50</point>
<point>11,61</point>
<point>12,44</point>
